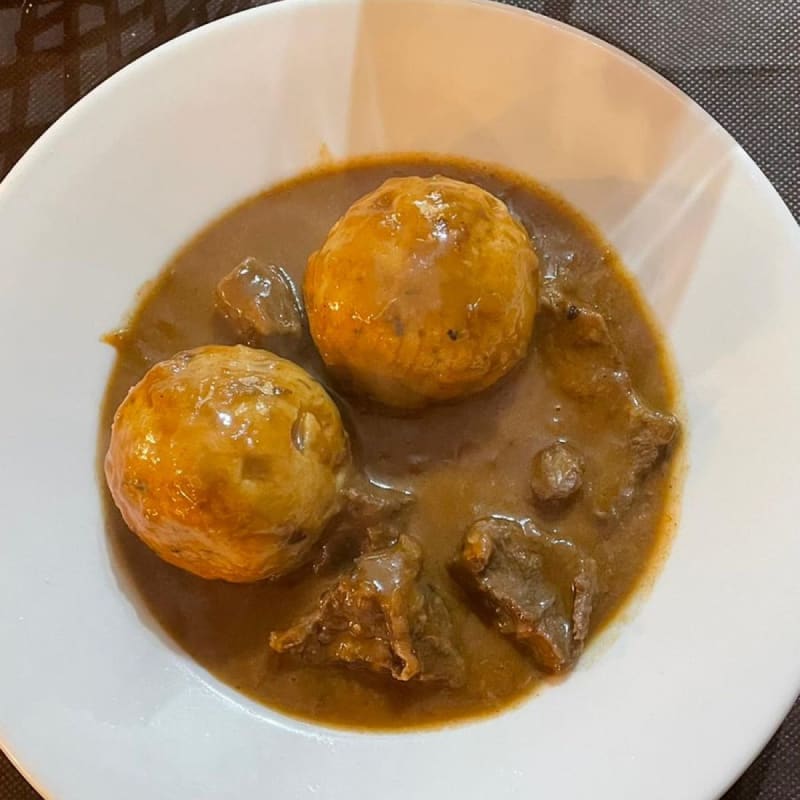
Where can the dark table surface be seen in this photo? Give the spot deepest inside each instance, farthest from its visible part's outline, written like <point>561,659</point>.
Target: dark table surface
<point>739,59</point>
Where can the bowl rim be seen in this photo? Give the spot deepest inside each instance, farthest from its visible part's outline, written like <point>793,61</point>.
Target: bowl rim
<point>46,147</point>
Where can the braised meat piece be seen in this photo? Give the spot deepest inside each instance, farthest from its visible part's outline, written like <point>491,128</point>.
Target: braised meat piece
<point>535,589</point>
<point>578,349</point>
<point>371,517</point>
<point>383,618</point>
<point>367,503</point>
<point>259,300</point>
<point>628,438</point>
<point>650,434</point>
<point>556,475</point>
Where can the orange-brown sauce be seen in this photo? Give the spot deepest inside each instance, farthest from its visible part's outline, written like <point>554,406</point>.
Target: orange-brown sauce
<point>462,460</point>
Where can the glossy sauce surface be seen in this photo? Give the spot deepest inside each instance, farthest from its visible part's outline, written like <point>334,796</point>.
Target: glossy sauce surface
<point>461,461</point>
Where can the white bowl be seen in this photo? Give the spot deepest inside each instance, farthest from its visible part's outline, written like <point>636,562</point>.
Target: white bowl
<point>95,702</point>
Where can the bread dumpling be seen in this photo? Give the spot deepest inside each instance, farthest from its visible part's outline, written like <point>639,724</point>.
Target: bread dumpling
<point>425,290</point>
<point>228,462</point>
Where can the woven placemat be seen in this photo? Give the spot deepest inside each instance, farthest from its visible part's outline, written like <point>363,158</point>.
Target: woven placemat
<point>739,59</point>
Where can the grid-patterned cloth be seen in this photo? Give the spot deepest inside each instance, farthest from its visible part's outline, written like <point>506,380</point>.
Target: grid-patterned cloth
<point>740,59</point>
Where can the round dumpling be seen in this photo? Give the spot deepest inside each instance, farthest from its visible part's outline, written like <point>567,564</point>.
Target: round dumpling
<point>425,290</point>
<point>228,462</point>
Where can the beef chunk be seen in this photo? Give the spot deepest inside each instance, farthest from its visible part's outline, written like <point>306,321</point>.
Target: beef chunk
<point>628,439</point>
<point>367,503</point>
<point>579,351</point>
<point>535,589</point>
<point>372,517</point>
<point>556,474</point>
<point>380,617</point>
<point>650,434</point>
<point>259,300</point>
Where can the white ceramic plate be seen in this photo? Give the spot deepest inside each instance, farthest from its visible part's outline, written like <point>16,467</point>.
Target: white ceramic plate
<point>96,703</point>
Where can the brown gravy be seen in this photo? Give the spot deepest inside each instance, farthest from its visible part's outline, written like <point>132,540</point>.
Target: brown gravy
<point>462,460</point>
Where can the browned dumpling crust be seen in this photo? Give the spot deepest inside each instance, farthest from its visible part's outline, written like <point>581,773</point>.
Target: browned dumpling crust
<point>425,290</point>
<point>228,462</point>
